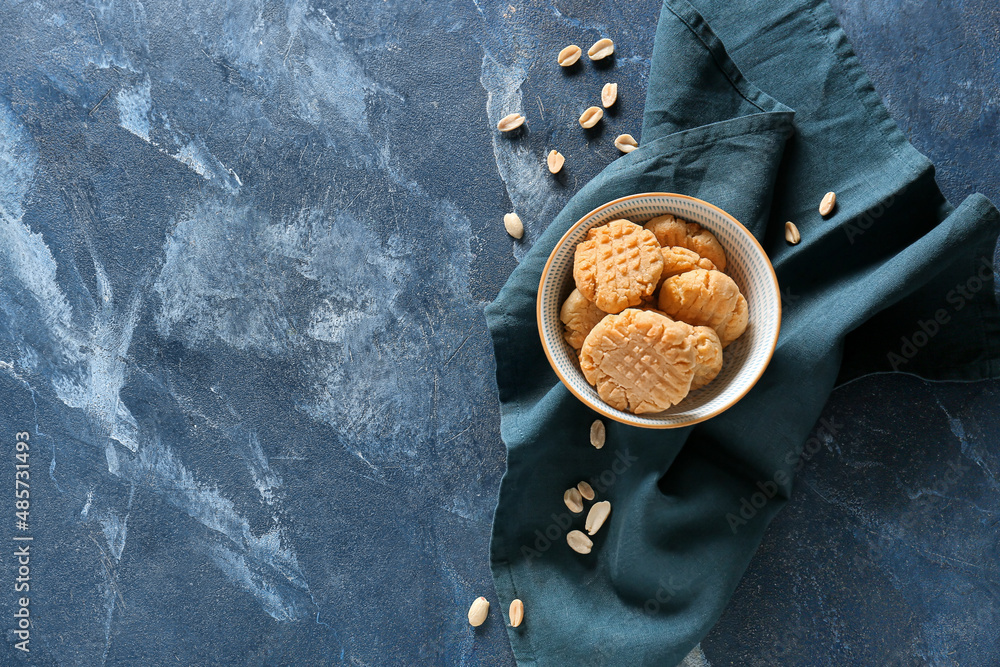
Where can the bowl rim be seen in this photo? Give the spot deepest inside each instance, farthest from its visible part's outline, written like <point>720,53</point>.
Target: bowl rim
<point>601,407</point>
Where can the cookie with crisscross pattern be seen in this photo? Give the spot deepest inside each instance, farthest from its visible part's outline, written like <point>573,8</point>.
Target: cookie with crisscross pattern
<point>618,265</point>
<point>639,361</point>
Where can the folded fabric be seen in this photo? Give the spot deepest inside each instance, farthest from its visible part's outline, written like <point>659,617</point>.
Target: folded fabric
<point>896,279</point>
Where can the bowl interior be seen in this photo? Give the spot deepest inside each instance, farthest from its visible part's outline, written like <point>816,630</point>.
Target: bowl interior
<point>747,264</point>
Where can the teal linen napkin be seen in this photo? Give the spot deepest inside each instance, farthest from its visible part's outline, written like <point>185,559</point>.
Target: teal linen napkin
<point>896,280</point>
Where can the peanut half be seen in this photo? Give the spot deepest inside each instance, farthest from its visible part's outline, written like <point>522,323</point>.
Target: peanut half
<point>573,500</point>
<point>516,613</point>
<point>597,434</point>
<point>512,223</point>
<point>591,117</point>
<point>829,202</point>
<point>510,122</point>
<point>555,160</point>
<point>609,94</point>
<point>792,233</point>
<point>579,542</point>
<point>626,143</point>
<point>597,515</point>
<point>569,55</point>
<point>601,49</point>
<point>478,612</point>
<point>586,490</point>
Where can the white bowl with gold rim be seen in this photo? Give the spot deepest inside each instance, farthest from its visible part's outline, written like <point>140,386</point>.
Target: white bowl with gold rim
<point>747,264</point>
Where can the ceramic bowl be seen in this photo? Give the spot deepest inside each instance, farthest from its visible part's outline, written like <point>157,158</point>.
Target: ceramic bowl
<point>744,360</point>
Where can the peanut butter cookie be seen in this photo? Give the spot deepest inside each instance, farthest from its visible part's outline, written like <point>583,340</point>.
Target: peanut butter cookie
<point>737,323</point>
<point>578,316</point>
<point>677,259</point>
<point>618,265</point>
<point>708,356</point>
<point>673,231</point>
<point>639,361</point>
<point>701,298</point>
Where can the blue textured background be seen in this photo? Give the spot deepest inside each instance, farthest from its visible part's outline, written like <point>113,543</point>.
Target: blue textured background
<point>244,253</point>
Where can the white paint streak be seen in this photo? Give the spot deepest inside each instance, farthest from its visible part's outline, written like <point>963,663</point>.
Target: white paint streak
<point>216,281</point>
<point>300,55</point>
<point>134,106</point>
<point>195,155</point>
<point>529,185</point>
<point>156,462</point>
<point>86,506</point>
<point>696,658</point>
<point>17,163</point>
<point>135,115</point>
<point>89,380</point>
<point>96,385</point>
<point>228,272</point>
<point>115,528</point>
<point>373,375</point>
<point>327,76</point>
<point>333,323</point>
<point>266,480</point>
<point>29,262</point>
<point>235,566</point>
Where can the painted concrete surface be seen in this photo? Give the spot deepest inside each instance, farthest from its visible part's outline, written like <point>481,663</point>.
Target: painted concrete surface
<point>244,253</point>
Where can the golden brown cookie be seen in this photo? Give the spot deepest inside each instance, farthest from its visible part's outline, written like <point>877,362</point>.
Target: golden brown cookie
<point>677,259</point>
<point>618,265</point>
<point>578,317</point>
<point>639,361</point>
<point>737,323</point>
<point>700,298</point>
<point>708,356</point>
<point>673,231</point>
